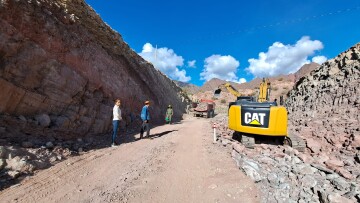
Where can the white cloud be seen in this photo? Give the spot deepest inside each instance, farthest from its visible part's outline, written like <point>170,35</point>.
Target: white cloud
<point>284,59</point>
<point>222,67</point>
<point>242,80</point>
<point>191,64</point>
<point>319,59</point>
<point>166,61</point>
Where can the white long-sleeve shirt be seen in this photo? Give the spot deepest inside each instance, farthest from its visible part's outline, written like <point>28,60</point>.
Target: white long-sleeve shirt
<point>117,113</point>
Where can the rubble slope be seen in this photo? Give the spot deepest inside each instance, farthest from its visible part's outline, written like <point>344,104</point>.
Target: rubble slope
<point>324,109</point>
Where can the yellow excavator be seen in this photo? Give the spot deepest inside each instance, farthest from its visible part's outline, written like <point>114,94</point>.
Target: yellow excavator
<point>255,119</point>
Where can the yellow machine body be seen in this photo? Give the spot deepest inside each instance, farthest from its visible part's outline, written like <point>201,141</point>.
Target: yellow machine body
<point>258,119</point>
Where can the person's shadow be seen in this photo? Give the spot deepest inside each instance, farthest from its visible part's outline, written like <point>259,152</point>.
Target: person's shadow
<point>157,135</point>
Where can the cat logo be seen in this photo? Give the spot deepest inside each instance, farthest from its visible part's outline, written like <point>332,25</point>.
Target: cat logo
<point>255,118</point>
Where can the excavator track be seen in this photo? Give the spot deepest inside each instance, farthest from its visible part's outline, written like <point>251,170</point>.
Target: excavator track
<point>248,141</point>
<point>295,142</point>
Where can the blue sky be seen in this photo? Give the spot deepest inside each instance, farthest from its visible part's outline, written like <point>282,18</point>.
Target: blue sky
<point>194,41</point>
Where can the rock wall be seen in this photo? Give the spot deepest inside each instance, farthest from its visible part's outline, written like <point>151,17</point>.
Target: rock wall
<point>324,109</point>
<point>329,100</point>
<point>61,67</point>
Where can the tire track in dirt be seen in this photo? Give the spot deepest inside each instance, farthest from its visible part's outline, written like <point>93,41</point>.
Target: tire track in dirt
<point>197,171</point>
<point>57,182</point>
<point>178,165</point>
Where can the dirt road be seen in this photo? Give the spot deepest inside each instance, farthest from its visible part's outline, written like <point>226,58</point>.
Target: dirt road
<point>178,163</point>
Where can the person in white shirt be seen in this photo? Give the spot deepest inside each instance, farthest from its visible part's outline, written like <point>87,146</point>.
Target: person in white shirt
<point>116,120</point>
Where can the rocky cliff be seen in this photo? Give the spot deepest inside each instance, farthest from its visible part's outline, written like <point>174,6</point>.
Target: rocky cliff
<point>61,67</point>
<point>324,108</point>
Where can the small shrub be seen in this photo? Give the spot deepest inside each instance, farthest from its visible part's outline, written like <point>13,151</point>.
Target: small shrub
<point>280,79</point>
<point>274,88</point>
<point>284,92</point>
<point>285,88</point>
<point>223,101</point>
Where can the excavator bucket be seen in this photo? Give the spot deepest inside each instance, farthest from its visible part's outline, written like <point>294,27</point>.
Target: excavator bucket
<point>217,93</point>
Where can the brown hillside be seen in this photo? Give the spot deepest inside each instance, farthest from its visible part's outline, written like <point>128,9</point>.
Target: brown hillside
<point>305,69</point>
<point>214,83</point>
<point>187,87</point>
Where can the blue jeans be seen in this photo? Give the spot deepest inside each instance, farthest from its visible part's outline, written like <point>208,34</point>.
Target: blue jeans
<point>115,128</point>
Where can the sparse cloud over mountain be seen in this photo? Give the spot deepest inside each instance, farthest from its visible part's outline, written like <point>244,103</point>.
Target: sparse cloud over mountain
<point>222,67</point>
<point>285,59</point>
<point>319,59</point>
<point>166,60</point>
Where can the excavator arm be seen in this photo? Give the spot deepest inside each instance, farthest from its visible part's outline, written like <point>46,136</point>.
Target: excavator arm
<point>264,94</point>
<point>229,87</point>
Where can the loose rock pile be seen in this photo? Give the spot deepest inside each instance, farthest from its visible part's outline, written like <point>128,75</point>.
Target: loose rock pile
<point>202,106</point>
<point>18,161</point>
<point>285,175</point>
<point>324,108</point>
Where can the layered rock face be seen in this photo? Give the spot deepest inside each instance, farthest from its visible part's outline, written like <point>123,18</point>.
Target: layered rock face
<point>324,109</point>
<point>61,67</point>
<point>329,98</point>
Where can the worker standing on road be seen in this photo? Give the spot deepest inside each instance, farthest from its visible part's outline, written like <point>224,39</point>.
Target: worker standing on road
<point>116,120</point>
<point>275,101</point>
<point>169,114</point>
<point>145,117</point>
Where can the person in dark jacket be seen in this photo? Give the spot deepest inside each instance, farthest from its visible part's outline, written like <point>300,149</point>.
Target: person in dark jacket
<point>145,117</point>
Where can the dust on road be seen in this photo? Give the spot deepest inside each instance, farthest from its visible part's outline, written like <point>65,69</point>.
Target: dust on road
<point>179,164</point>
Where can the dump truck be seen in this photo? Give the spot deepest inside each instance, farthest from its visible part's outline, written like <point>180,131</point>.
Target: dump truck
<point>205,107</point>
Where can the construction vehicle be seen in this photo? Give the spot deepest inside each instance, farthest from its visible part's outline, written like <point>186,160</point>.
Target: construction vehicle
<point>259,119</point>
<point>229,87</point>
<point>205,107</point>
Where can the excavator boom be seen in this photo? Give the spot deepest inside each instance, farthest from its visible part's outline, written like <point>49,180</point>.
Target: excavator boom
<point>229,87</point>
<point>264,94</point>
